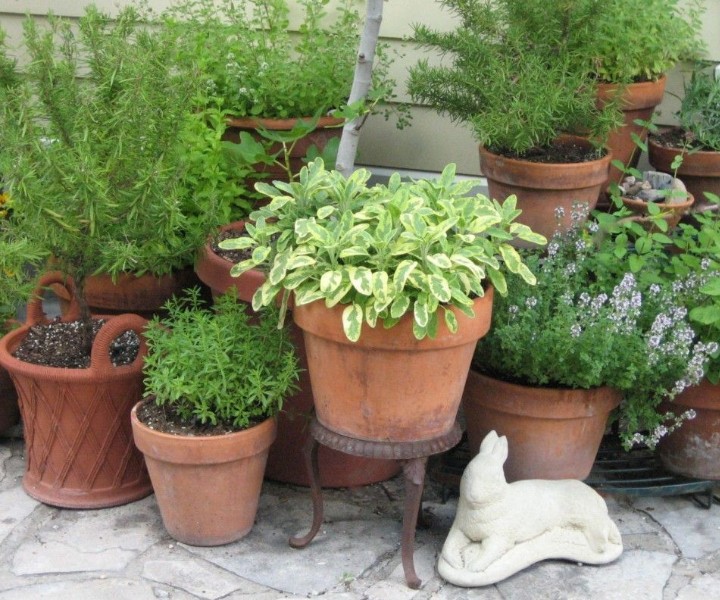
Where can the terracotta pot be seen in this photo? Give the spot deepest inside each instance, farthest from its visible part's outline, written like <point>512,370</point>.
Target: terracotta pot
<point>207,487</point>
<point>672,212</point>
<point>388,386</point>
<point>693,450</point>
<point>638,101</point>
<point>552,433</point>
<point>700,171</point>
<point>542,187</point>
<point>285,461</point>
<point>79,447</point>
<point>327,129</point>
<point>143,295</point>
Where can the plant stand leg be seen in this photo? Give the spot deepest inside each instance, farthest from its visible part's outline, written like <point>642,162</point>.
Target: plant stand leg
<point>311,463</point>
<point>414,470</point>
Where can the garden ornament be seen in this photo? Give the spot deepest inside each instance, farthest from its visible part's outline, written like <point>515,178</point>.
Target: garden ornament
<point>501,528</point>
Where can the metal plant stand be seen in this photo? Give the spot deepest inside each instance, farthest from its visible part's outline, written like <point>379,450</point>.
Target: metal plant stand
<point>413,456</point>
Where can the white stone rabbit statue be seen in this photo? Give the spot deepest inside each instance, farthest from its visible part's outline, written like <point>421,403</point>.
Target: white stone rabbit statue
<point>502,528</point>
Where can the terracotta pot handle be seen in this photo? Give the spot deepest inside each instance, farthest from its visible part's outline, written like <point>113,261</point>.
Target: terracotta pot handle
<point>111,329</point>
<point>35,313</point>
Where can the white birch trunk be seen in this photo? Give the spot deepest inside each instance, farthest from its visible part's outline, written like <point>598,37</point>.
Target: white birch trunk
<point>361,84</point>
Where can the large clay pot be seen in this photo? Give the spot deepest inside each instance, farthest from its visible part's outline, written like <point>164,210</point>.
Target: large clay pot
<point>285,461</point>
<point>637,102</point>
<point>142,295</point>
<point>388,386</point>
<point>542,187</point>
<point>79,447</point>
<point>327,129</point>
<point>693,449</point>
<point>552,433</point>
<point>207,487</point>
<point>699,171</point>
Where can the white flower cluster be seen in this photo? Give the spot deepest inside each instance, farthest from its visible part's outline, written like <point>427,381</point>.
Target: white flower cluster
<point>670,424</point>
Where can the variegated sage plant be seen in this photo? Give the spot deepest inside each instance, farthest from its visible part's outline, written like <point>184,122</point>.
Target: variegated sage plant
<point>415,247</point>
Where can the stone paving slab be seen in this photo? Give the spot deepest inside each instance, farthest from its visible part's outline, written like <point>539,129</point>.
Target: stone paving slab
<point>672,551</point>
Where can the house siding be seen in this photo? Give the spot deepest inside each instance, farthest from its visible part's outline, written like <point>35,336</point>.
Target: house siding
<point>431,141</point>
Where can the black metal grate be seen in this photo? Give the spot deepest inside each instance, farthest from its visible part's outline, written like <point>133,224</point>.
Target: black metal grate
<point>634,473</point>
<point>640,473</point>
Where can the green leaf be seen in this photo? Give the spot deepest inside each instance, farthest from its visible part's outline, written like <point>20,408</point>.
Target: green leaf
<point>352,320</point>
<point>498,280</point>
<point>361,279</point>
<point>380,285</point>
<point>338,295</point>
<point>421,312</point>
<point>237,243</point>
<point>451,321</point>
<point>330,281</point>
<point>353,251</point>
<point>712,287</point>
<point>399,307</point>
<point>307,296</point>
<point>279,268</point>
<point>439,287</point>
<point>706,315</point>
<point>440,260</point>
<point>510,257</point>
<point>299,261</point>
<point>261,253</point>
<point>402,272</point>
<point>325,211</point>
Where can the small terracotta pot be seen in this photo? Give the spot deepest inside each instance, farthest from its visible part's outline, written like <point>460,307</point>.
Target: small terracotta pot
<point>286,462</point>
<point>327,129</point>
<point>671,212</point>
<point>693,449</point>
<point>638,101</point>
<point>552,433</point>
<point>388,386</point>
<point>78,440</point>
<point>542,187</point>
<point>207,487</point>
<point>699,171</point>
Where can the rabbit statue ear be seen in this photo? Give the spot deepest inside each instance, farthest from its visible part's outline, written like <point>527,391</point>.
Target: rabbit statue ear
<point>500,450</point>
<point>488,443</point>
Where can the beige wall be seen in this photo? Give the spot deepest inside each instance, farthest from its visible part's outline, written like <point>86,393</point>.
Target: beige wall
<point>432,140</point>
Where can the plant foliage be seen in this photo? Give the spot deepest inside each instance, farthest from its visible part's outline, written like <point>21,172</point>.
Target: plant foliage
<point>384,251</point>
<point>699,113</point>
<point>218,366</point>
<point>584,325</point>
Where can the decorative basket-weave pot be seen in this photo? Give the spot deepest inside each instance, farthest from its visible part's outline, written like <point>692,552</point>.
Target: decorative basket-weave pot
<point>76,422</point>
<point>552,433</point>
<point>207,487</point>
<point>388,386</point>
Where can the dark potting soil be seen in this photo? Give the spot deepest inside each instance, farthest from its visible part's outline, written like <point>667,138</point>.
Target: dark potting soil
<point>166,420</point>
<point>60,345</point>
<point>677,138</point>
<point>560,152</point>
<point>234,256</point>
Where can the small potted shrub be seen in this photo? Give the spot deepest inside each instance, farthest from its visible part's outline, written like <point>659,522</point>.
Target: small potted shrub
<point>215,379</point>
<point>286,90</point>
<point>519,93</point>
<point>688,260</point>
<point>391,285</point>
<point>693,149</point>
<point>96,175</point>
<point>560,356</point>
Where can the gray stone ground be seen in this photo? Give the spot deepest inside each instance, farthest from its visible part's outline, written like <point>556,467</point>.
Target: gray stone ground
<point>672,550</point>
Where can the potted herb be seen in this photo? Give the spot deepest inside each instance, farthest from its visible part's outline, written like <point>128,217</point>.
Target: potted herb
<point>93,159</point>
<point>693,148</point>
<point>391,285</point>
<point>599,338</point>
<point>287,90</point>
<point>630,45</point>
<point>96,175</point>
<point>519,93</point>
<point>215,379</point>
<point>688,261</point>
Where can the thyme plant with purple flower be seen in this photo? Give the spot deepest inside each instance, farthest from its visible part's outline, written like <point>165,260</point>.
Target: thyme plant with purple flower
<point>584,327</point>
